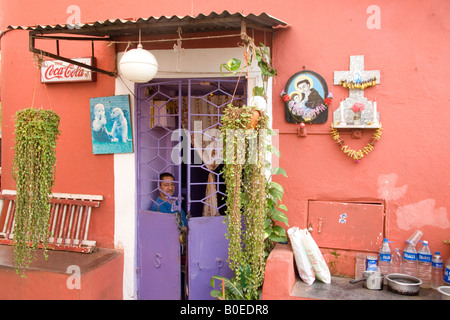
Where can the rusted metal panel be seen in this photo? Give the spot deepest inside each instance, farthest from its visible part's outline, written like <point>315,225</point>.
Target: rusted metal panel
<point>349,225</point>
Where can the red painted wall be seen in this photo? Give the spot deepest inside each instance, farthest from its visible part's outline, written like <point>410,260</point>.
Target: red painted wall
<point>78,170</point>
<point>408,168</point>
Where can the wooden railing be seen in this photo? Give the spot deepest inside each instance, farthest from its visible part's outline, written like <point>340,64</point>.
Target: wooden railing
<point>69,222</point>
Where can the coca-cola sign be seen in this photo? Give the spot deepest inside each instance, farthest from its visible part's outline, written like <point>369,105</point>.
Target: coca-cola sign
<point>60,71</point>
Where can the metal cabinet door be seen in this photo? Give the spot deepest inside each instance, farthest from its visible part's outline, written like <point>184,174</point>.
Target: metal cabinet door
<point>207,255</point>
<point>347,225</point>
<point>159,276</point>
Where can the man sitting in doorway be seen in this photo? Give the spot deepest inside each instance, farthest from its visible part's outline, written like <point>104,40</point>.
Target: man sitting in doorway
<point>165,203</point>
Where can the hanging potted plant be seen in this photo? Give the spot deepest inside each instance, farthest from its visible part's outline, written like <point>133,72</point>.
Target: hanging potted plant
<point>244,174</point>
<point>33,169</point>
<point>252,202</point>
<point>252,198</point>
<point>259,93</point>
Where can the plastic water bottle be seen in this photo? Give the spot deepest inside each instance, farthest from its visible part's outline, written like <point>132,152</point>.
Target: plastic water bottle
<point>409,265</point>
<point>436,270</point>
<point>424,265</point>
<point>396,261</point>
<point>385,258</point>
<point>447,272</point>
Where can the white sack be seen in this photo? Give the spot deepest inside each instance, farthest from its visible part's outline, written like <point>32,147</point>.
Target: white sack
<point>304,267</point>
<point>315,257</point>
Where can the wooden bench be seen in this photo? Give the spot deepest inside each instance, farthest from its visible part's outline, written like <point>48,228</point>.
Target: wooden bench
<point>70,217</point>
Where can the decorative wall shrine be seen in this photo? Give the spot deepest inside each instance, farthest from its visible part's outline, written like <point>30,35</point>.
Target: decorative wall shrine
<point>306,98</point>
<point>357,111</point>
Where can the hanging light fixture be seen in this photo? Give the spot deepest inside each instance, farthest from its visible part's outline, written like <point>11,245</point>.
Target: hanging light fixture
<point>138,65</point>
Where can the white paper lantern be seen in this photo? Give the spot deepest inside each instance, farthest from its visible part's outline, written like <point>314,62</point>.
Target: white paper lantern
<point>138,65</point>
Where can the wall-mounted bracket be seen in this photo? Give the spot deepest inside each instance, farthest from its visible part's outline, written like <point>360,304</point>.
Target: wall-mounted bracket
<point>357,133</point>
<point>32,46</point>
<point>301,131</point>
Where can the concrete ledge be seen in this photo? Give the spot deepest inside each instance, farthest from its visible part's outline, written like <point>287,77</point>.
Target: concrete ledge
<point>100,276</point>
<point>341,289</point>
<point>281,282</point>
<point>280,276</point>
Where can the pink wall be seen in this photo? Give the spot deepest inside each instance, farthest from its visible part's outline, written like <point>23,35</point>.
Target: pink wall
<point>78,170</point>
<point>407,168</point>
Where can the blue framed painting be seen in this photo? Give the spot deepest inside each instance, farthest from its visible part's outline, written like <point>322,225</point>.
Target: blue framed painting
<point>304,97</point>
<point>111,125</point>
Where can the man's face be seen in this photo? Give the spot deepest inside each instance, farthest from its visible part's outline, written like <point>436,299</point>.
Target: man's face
<point>167,187</point>
<point>303,87</point>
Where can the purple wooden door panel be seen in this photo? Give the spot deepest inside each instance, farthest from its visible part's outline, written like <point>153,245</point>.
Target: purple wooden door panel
<point>207,255</point>
<point>159,257</point>
<point>158,249</point>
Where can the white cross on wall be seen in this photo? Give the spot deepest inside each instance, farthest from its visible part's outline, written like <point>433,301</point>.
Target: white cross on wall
<point>344,116</point>
<point>355,73</point>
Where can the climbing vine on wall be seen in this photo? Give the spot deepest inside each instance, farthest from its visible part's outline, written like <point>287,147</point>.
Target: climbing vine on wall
<point>34,165</point>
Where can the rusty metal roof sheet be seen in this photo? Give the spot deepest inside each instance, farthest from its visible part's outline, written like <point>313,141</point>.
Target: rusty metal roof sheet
<point>224,21</point>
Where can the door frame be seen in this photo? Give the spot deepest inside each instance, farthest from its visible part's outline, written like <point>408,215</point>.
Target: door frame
<point>158,262</point>
<point>125,211</point>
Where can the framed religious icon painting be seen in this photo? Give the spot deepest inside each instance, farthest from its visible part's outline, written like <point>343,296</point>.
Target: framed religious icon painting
<point>305,97</point>
<point>111,125</point>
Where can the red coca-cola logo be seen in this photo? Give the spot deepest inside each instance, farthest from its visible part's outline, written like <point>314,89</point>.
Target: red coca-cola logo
<point>55,71</point>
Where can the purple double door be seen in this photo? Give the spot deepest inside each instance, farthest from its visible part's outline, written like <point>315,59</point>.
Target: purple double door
<point>177,124</point>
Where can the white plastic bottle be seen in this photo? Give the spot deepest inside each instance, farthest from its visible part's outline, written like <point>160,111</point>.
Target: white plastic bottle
<point>424,258</point>
<point>385,258</point>
<point>447,273</point>
<point>396,261</point>
<point>409,264</point>
<point>436,270</point>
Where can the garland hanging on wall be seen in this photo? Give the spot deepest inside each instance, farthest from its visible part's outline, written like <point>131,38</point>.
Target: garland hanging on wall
<point>356,155</point>
<point>359,85</point>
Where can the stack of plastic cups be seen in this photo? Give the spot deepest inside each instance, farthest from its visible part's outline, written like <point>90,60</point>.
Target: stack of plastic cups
<point>415,238</point>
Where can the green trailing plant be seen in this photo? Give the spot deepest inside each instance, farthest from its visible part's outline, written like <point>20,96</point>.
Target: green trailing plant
<point>244,176</point>
<point>252,199</point>
<point>36,133</point>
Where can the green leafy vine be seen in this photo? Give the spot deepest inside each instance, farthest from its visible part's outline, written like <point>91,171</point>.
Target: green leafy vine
<point>252,200</point>
<point>33,169</point>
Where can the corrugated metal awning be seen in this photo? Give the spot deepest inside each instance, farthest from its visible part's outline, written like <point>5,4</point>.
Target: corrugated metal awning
<point>212,22</point>
<point>112,29</point>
